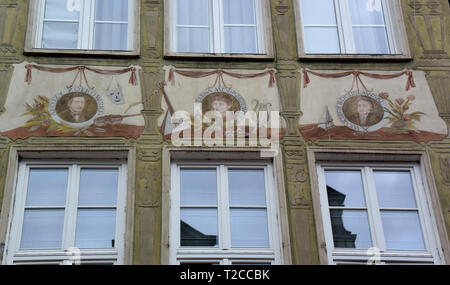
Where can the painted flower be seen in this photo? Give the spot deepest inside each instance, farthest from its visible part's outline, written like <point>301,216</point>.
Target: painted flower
<point>400,101</point>
<point>411,97</point>
<point>405,108</point>
<point>384,95</point>
<point>407,117</point>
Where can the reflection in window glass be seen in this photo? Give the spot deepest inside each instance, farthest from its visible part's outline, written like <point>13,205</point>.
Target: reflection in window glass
<point>350,229</point>
<point>345,188</point>
<point>198,227</point>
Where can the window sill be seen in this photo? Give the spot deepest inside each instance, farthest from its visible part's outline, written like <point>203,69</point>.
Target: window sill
<point>224,56</point>
<point>83,52</point>
<point>355,57</point>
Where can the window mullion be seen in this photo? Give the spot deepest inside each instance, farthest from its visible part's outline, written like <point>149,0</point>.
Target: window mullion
<point>259,14</point>
<point>224,208</point>
<point>345,26</point>
<point>40,25</point>
<point>91,25</point>
<point>173,14</point>
<point>216,26</point>
<point>131,12</point>
<point>389,26</point>
<point>373,208</point>
<point>70,218</point>
<point>83,30</point>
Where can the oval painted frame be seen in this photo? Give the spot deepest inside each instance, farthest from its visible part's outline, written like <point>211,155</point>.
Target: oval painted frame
<point>229,91</point>
<point>80,89</point>
<point>373,98</point>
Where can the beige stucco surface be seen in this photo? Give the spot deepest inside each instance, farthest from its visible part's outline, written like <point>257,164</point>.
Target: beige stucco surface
<point>49,84</point>
<point>325,92</point>
<point>186,90</point>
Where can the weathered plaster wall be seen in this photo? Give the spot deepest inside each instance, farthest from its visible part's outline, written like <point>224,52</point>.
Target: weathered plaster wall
<point>427,25</point>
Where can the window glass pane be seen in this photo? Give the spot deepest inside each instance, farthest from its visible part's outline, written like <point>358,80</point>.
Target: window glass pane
<point>350,229</point>
<point>239,12</point>
<point>246,187</point>
<point>61,10</point>
<point>324,40</point>
<point>241,40</point>
<point>111,36</point>
<point>318,12</point>
<point>42,229</point>
<point>198,187</point>
<point>193,12</point>
<point>249,228</point>
<point>394,189</point>
<point>371,40</point>
<point>198,227</point>
<point>402,230</point>
<point>98,187</point>
<point>111,10</point>
<point>60,35</point>
<point>345,188</point>
<point>47,187</point>
<point>193,40</point>
<point>368,12</point>
<point>95,228</point>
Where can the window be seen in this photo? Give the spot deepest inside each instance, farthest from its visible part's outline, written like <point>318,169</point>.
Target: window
<point>64,211</point>
<point>376,213</point>
<point>224,214</point>
<point>101,25</point>
<point>219,27</point>
<point>351,27</point>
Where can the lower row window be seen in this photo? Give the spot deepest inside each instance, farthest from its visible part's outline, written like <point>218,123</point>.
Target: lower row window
<point>224,214</point>
<point>376,214</point>
<point>67,213</point>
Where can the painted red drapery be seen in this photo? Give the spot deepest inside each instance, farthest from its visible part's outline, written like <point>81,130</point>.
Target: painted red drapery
<point>81,70</point>
<point>409,83</point>
<point>220,73</point>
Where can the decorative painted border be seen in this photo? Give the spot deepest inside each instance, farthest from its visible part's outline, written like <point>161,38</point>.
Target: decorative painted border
<point>80,89</point>
<point>340,104</point>
<point>226,90</point>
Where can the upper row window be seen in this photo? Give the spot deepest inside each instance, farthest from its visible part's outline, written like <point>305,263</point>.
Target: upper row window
<point>219,27</point>
<point>351,27</point>
<point>73,25</point>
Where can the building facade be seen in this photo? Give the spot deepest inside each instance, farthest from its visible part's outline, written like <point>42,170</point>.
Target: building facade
<point>224,132</point>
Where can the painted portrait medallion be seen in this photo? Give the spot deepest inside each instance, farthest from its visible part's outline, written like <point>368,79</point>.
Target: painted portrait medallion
<point>221,99</point>
<point>78,106</point>
<point>362,111</point>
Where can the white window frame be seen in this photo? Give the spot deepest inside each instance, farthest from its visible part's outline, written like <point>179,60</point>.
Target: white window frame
<point>393,22</point>
<point>14,255</point>
<point>432,254</point>
<point>216,31</point>
<point>85,32</point>
<point>224,254</point>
